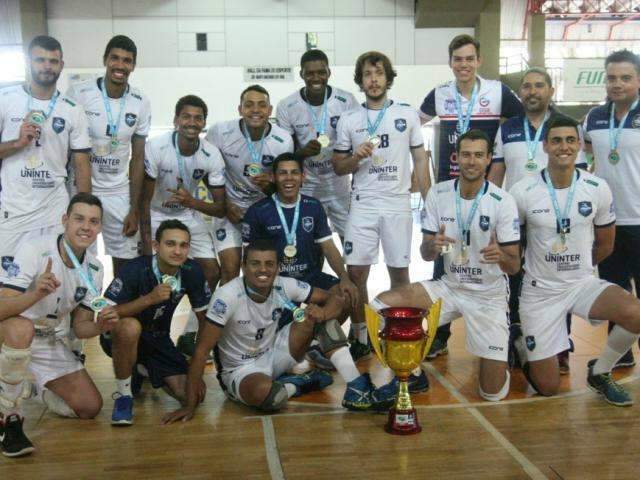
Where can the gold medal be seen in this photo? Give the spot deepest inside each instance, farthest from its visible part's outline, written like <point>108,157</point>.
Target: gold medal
<point>36,117</point>
<point>375,140</point>
<point>98,304</point>
<point>377,160</point>
<point>559,246</point>
<point>33,161</point>
<point>290,251</point>
<point>463,256</point>
<point>614,157</point>
<point>531,165</point>
<point>446,249</point>
<point>114,143</point>
<point>101,149</point>
<point>298,314</point>
<point>323,140</point>
<point>171,281</point>
<point>253,169</point>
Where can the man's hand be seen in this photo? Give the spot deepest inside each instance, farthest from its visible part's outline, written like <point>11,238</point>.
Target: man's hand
<point>349,290</point>
<point>364,150</point>
<point>47,283</point>
<point>28,131</point>
<point>185,414</point>
<point>440,240</point>
<point>181,197</point>
<point>492,253</point>
<point>262,180</point>
<point>107,318</point>
<point>314,313</point>
<point>234,213</point>
<point>130,224</point>
<point>311,149</point>
<point>160,294</point>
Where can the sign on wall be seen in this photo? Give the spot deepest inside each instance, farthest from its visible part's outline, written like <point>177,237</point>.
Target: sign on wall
<point>584,80</point>
<point>268,74</point>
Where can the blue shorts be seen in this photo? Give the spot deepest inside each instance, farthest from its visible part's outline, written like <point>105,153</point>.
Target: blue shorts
<point>317,279</point>
<point>624,263</point>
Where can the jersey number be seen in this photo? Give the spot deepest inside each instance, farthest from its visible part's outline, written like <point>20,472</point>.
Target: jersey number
<point>384,140</point>
<point>259,334</point>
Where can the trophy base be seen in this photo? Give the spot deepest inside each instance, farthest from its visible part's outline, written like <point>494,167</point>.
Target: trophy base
<point>403,422</point>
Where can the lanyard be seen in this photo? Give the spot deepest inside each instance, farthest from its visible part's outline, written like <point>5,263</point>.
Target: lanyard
<point>50,107</point>
<point>463,122</point>
<point>321,124</point>
<point>173,281</point>
<point>256,155</point>
<point>289,233</point>
<point>182,169</point>
<point>371,128</point>
<point>533,146</point>
<point>554,198</point>
<point>85,275</point>
<point>463,227</point>
<point>286,303</point>
<point>614,137</point>
<point>113,126</point>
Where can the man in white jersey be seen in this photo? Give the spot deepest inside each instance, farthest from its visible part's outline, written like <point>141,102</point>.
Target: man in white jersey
<point>119,119</point>
<point>474,225</point>
<point>570,226</point>
<point>375,142</point>
<point>248,146</point>
<point>311,116</point>
<point>466,102</point>
<point>29,343</point>
<point>251,354</point>
<point>612,134</point>
<point>175,163</point>
<point>38,129</point>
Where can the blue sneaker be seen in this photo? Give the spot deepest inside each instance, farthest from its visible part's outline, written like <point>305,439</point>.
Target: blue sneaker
<point>603,384</point>
<point>384,397</point>
<point>122,410</point>
<point>418,383</point>
<point>357,395</point>
<point>308,382</point>
<point>315,355</point>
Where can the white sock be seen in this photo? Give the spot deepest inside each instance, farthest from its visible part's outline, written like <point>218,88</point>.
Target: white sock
<point>57,405</point>
<point>417,372</point>
<point>10,398</point>
<point>192,323</point>
<point>343,362</point>
<point>124,386</point>
<point>291,389</point>
<point>618,342</point>
<point>360,332</point>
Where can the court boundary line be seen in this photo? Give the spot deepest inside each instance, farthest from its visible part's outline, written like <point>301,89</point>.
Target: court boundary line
<point>271,449</point>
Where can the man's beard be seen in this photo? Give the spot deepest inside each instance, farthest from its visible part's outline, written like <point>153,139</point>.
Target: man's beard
<point>47,82</point>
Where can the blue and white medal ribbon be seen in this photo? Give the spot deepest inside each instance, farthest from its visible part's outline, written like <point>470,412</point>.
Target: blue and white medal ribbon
<point>98,303</point>
<point>38,117</point>
<point>182,169</point>
<point>465,226</point>
<point>614,155</point>
<point>297,312</point>
<point>171,280</point>
<point>375,139</point>
<point>560,245</point>
<point>320,125</point>
<point>532,147</point>
<point>113,126</point>
<point>254,167</point>
<point>465,120</point>
<point>290,250</point>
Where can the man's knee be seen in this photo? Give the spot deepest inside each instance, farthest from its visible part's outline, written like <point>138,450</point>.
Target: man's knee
<point>127,330</point>
<point>628,316</point>
<point>18,332</point>
<point>330,336</point>
<point>545,384</point>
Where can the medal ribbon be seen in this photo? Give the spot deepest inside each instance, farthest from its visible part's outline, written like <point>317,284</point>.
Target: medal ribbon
<point>464,121</point>
<point>85,275</point>
<point>113,126</point>
<point>182,169</point>
<point>283,300</point>
<point>158,274</point>
<point>554,198</point>
<point>614,137</point>
<point>371,128</point>
<point>289,233</point>
<point>320,125</point>
<point>532,147</point>
<point>463,227</point>
<point>256,155</point>
<point>50,107</point>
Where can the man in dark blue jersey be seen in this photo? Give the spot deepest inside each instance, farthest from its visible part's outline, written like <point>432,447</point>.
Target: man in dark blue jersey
<point>147,292</point>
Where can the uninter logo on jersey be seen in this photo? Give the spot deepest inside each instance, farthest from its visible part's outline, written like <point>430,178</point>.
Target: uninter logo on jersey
<point>324,166</point>
<point>564,262</point>
<point>294,270</point>
<point>466,274</point>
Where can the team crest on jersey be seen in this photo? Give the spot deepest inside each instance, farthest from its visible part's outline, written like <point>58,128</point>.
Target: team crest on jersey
<point>635,121</point>
<point>585,208</point>
<point>80,293</point>
<point>221,234</point>
<point>219,307</point>
<point>267,160</point>
<point>10,267</point>
<point>450,105</point>
<point>130,119</point>
<point>307,223</point>
<point>484,222</point>
<point>276,315</point>
<point>116,287</point>
<point>484,102</point>
<point>401,124</point>
<point>57,124</point>
<point>333,121</point>
<point>531,342</point>
<point>198,173</point>
<point>348,247</point>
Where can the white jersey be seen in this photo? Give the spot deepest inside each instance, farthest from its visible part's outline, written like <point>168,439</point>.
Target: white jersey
<point>382,181</point>
<point>228,137</point>
<point>110,169</point>
<point>33,179</point>
<point>250,327</point>
<point>497,213</point>
<point>161,164</point>
<point>294,116</point>
<point>592,206</point>
<point>31,261</point>
<point>623,177</point>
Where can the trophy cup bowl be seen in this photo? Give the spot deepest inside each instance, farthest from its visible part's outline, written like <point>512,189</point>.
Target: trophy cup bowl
<point>402,345</point>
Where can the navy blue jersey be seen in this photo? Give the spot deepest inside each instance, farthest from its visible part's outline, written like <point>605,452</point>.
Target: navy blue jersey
<point>262,221</point>
<point>136,278</point>
<point>495,100</point>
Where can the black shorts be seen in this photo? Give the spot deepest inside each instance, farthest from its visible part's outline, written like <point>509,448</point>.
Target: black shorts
<point>624,263</point>
<point>157,353</point>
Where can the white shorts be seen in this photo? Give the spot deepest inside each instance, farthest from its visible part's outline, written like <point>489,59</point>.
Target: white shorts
<point>10,241</point>
<point>201,240</point>
<point>366,229</point>
<point>226,234</point>
<point>274,363</point>
<point>543,312</point>
<point>116,244</point>
<point>486,318</point>
<point>51,359</point>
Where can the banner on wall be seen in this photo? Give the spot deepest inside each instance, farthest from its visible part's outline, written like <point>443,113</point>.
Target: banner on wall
<point>584,80</point>
<point>268,74</point>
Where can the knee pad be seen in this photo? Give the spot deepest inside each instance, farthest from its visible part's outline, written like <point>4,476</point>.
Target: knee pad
<point>276,399</point>
<point>330,335</point>
<point>57,405</point>
<point>14,363</point>
<point>496,397</point>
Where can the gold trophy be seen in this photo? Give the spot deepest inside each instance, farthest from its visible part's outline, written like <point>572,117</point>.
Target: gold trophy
<point>402,345</point>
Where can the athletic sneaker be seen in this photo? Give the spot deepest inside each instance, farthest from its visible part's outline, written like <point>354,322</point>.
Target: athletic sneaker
<point>438,347</point>
<point>384,397</point>
<point>357,395</point>
<point>308,382</point>
<point>122,410</point>
<point>418,383</point>
<point>603,384</point>
<point>12,438</point>
<point>627,360</point>
<point>315,355</point>
<point>359,351</point>
<point>186,345</point>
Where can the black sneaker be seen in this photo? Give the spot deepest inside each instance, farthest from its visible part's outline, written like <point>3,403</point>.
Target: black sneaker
<point>625,361</point>
<point>12,438</point>
<point>359,351</point>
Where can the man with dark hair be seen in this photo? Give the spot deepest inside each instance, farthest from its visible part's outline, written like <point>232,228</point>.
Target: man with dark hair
<point>70,279</point>
<point>39,128</point>
<point>474,225</point>
<point>570,227</point>
<point>311,116</point>
<point>375,142</point>
<point>248,147</point>
<point>612,134</point>
<point>251,354</point>
<point>147,292</point>
<point>467,102</point>
<point>119,121</point>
